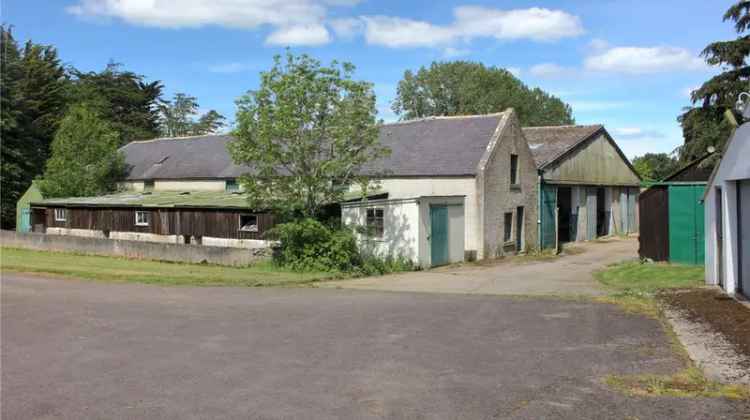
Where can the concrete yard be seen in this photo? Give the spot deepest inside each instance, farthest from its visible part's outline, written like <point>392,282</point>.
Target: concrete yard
<point>568,275</point>
<point>92,350</point>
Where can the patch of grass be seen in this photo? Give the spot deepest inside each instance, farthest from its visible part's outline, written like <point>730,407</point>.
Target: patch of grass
<point>151,272</point>
<point>647,278</point>
<point>632,303</point>
<point>687,383</point>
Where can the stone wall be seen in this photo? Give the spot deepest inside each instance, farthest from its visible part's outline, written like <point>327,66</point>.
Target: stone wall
<point>135,249</point>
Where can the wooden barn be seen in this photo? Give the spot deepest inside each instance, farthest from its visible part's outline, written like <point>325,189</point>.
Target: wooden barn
<point>203,217</point>
<point>671,211</point>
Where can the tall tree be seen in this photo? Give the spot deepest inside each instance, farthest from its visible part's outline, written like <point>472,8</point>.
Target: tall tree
<point>462,88</point>
<point>177,117</point>
<point>34,85</point>
<point>306,132</point>
<point>704,125</point>
<point>85,156</point>
<point>655,166</point>
<point>123,98</point>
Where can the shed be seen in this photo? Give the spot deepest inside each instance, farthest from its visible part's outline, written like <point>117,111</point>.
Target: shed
<point>672,216</point>
<point>23,207</point>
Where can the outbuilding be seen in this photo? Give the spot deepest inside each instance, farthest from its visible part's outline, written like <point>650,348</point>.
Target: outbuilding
<point>727,216</point>
<point>23,207</point>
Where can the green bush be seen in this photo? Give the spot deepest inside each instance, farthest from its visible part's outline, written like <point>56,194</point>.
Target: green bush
<point>308,245</point>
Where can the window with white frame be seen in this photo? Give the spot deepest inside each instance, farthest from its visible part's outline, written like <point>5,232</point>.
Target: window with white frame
<point>248,223</point>
<point>375,222</point>
<point>142,218</point>
<point>60,215</point>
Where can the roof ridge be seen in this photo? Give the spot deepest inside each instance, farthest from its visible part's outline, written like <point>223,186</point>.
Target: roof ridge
<point>445,117</point>
<point>178,138</point>
<point>564,126</point>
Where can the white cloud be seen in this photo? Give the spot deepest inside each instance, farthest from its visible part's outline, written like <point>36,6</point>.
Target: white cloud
<point>643,60</point>
<point>471,22</point>
<point>551,71</point>
<point>347,28</point>
<point>234,67</point>
<point>597,44</point>
<point>294,22</point>
<point>308,34</point>
<point>637,133</point>
<point>451,52</point>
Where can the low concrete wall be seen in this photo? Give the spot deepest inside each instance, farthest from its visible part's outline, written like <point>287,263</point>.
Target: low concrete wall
<point>135,249</point>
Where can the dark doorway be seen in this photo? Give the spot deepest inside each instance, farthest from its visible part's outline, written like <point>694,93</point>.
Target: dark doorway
<point>601,213</point>
<point>718,216</point>
<point>564,199</point>
<point>519,229</point>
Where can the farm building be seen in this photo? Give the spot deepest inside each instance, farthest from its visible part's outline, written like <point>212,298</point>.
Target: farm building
<point>727,216</point>
<point>588,188</point>
<point>23,207</point>
<point>672,216</point>
<point>453,188</point>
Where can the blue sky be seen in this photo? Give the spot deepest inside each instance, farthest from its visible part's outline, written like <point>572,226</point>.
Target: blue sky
<point>626,64</point>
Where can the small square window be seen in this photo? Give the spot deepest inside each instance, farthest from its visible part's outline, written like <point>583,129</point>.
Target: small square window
<point>248,223</point>
<point>513,169</point>
<point>60,215</point>
<point>142,218</point>
<point>231,185</point>
<point>148,185</point>
<point>507,233</point>
<point>375,223</point>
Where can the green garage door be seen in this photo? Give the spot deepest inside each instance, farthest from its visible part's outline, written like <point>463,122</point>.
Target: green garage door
<point>547,216</point>
<point>439,246</point>
<point>686,229</point>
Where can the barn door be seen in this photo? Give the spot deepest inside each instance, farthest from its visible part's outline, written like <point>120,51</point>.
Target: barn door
<point>547,216</point>
<point>743,227</point>
<point>439,245</point>
<point>686,229</point>
<point>591,213</point>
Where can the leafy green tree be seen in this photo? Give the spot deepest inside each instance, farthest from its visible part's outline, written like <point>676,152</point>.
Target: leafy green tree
<point>306,132</point>
<point>655,166</point>
<point>705,125</point>
<point>85,156</point>
<point>33,91</point>
<point>177,117</point>
<point>123,98</point>
<point>464,88</point>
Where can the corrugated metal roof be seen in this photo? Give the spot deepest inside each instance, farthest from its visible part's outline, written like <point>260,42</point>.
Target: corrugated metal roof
<point>199,199</point>
<point>549,143</point>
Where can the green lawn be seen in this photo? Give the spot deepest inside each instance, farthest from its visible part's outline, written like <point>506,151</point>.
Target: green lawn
<point>649,278</point>
<point>152,272</point>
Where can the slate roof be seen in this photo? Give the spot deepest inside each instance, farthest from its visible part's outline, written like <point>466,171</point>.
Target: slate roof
<point>436,146</point>
<point>160,199</point>
<point>182,157</point>
<point>549,143</point>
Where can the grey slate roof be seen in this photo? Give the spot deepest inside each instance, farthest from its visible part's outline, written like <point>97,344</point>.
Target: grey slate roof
<point>186,157</point>
<point>549,143</point>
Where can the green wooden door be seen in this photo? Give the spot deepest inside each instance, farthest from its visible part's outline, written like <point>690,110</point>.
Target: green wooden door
<point>686,229</point>
<point>547,216</point>
<point>25,225</point>
<point>439,246</point>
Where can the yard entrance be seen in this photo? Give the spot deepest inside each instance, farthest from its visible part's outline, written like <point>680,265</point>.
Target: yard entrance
<point>566,224</point>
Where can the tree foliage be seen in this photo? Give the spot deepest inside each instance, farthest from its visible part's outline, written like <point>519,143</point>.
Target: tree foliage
<point>34,98</point>
<point>85,157</point>
<point>306,132</point>
<point>655,166</point>
<point>704,125</point>
<point>177,117</point>
<point>123,98</point>
<point>463,88</point>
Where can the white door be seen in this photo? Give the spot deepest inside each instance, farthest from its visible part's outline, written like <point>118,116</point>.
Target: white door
<point>743,225</point>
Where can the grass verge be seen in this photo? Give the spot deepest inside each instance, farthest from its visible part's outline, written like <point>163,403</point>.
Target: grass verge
<point>114,269</point>
<point>634,287</point>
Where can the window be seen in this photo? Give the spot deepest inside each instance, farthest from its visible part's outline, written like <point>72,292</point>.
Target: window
<point>508,227</point>
<point>231,186</point>
<point>142,218</point>
<point>375,224</point>
<point>513,169</point>
<point>60,215</point>
<point>248,223</point>
<point>148,185</point>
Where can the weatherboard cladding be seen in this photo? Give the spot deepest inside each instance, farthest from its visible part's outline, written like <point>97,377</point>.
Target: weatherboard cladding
<point>434,146</point>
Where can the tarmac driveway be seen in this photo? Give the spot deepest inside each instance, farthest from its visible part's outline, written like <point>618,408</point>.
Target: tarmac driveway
<point>567,275</point>
<point>79,350</point>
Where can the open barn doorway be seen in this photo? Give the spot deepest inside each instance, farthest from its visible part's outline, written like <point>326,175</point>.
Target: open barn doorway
<point>564,218</point>
<point>601,212</point>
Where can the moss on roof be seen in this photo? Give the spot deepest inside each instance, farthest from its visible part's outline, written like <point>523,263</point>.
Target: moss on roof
<point>200,199</point>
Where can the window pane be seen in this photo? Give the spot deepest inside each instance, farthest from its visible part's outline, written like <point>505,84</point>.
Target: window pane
<point>508,227</point>
<point>248,223</point>
<point>514,169</point>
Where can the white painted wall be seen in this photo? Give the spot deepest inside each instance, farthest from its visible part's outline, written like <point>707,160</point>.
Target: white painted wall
<point>177,185</point>
<point>235,243</point>
<point>400,188</point>
<point>400,227</point>
<point>85,233</point>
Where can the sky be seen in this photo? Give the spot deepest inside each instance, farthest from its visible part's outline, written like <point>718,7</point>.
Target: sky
<point>629,65</point>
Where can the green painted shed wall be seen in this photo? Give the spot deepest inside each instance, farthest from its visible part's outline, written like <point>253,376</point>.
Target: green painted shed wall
<point>32,194</point>
<point>598,162</point>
